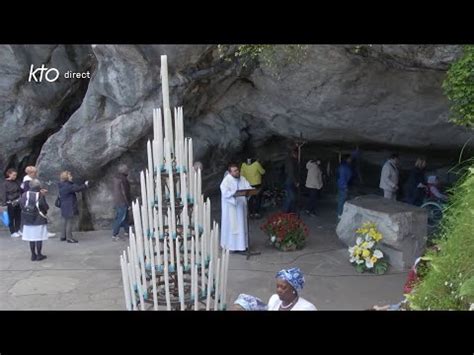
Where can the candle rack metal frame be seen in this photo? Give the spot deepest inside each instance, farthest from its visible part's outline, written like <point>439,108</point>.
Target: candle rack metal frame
<point>173,259</point>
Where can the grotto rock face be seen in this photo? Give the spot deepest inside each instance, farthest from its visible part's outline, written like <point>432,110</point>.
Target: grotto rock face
<point>31,110</point>
<point>382,96</point>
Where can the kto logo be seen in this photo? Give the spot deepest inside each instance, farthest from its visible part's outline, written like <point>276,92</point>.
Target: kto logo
<point>37,74</point>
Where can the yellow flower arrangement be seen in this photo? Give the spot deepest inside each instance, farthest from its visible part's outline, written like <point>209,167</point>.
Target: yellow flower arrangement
<point>365,254</point>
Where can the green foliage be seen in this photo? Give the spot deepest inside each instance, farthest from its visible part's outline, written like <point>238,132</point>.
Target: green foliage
<point>448,283</point>
<point>459,87</point>
<point>381,267</point>
<point>273,57</point>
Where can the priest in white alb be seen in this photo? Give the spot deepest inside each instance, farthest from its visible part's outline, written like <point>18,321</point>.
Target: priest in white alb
<point>234,236</point>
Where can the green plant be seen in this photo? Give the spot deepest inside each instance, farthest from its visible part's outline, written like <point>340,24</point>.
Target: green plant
<point>286,231</point>
<point>459,88</point>
<point>449,282</point>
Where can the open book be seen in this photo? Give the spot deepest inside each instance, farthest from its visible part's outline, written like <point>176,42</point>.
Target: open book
<point>246,192</point>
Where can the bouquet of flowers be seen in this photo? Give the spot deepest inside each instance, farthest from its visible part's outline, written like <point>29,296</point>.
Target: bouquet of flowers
<point>286,231</point>
<point>365,255</point>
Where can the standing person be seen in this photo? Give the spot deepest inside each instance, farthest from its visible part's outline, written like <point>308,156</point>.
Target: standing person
<point>414,189</point>
<point>291,182</point>
<point>122,201</point>
<point>288,285</point>
<point>234,232</point>
<point>33,214</point>
<point>253,172</point>
<point>389,177</point>
<point>314,183</point>
<point>344,176</point>
<point>11,198</point>
<point>32,173</point>
<point>68,203</point>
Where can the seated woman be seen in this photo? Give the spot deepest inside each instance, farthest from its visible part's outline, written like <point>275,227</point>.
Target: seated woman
<point>289,282</point>
<point>248,303</point>
<point>433,189</point>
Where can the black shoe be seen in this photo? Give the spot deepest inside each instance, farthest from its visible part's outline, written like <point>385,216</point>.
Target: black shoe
<point>41,257</point>
<point>72,240</point>
<point>34,257</point>
<point>62,239</point>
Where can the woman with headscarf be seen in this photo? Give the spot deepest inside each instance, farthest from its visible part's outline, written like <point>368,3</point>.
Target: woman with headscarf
<point>289,282</point>
<point>248,303</point>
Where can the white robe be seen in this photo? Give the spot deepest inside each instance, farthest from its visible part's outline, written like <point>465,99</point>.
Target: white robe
<point>234,214</point>
<point>274,304</point>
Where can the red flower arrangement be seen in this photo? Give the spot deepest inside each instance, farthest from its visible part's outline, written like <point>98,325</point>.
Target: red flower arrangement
<point>286,231</point>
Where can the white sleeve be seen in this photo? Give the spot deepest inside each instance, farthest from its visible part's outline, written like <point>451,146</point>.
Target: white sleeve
<point>435,191</point>
<point>228,191</point>
<point>273,303</point>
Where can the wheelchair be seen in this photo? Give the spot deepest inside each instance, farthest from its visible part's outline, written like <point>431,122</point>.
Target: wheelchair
<point>435,209</point>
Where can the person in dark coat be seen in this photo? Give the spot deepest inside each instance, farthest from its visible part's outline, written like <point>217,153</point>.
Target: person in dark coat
<point>68,203</point>
<point>344,176</point>
<point>122,201</point>
<point>414,189</point>
<point>11,198</point>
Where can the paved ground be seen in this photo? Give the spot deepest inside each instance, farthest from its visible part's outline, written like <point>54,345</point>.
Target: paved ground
<point>86,276</point>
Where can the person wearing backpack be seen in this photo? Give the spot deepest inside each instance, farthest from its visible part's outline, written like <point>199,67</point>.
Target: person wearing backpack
<point>33,214</point>
<point>67,202</point>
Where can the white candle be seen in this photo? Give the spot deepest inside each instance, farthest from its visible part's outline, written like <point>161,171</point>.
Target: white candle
<point>149,156</point>
<point>193,275</point>
<point>181,286</point>
<point>195,288</point>
<point>186,155</point>
<point>159,138</point>
<point>157,239</point>
<point>153,278</point>
<point>169,132</point>
<point>139,276</point>
<point>145,233</point>
<point>216,292</point>
<point>171,241</point>
<point>199,183</point>
<point>140,253</point>
<point>203,268</point>
<point>130,260</point>
<point>226,271</point>
<point>132,288</point>
<point>165,252</point>
<point>191,168</point>
<point>222,280</point>
<point>193,251</point>
<point>164,81</point>
<point>196,228</point>
<point>185,235</point>
<point>208,300</point>
<point>126,286</point>
<point>159,194</point>
<point>167,288</point>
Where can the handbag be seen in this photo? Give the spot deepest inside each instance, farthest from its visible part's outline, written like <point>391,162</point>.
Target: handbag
<point>57,203</point>
<point>5,218</point>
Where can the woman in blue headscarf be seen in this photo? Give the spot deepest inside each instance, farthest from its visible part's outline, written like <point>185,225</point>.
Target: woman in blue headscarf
<point>289,282</point>
<point>248,303</point>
